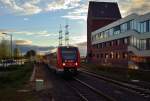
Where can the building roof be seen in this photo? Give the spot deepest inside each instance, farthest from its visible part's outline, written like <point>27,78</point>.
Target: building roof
<point>104,10</point>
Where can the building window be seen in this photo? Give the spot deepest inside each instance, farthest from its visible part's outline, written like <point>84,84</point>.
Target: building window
<point>101,55</point>
<point>117,55</point>
<point>110,43</point>
<point>138,43</point>
<point>97,55</point>
<point>147,26</point>
<point>148,47</point>
<point>106,33</point>
<point>124,55</point>
<point>125,40</point>
<point>99,35</point>
<point>135,25</point>
<point>143,27</point>
<point>143,44</point>
<point>106,55</point>
<point>132,24</point>
<point>138,27</point>
<point>124,27</point>
<point>128,25</point>
<point>102,34</point>
<point>117,30</point>
<point>111,55</point>
<point>118,42</point>
<point>104,44</point>
<point>97,46</point>
<point>92,38</point>
<point>115,42</point>
<point>111,32</point>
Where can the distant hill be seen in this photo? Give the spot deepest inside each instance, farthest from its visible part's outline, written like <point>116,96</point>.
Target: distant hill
<point>82,44</point>
<point>38,49</point>
<point>41,49</point>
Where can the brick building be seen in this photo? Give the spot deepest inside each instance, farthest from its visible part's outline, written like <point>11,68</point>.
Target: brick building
<point>100,14</point>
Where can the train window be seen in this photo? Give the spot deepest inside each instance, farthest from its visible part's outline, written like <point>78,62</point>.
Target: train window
<point>69,53</point>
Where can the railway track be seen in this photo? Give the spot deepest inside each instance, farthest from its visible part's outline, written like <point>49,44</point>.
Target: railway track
<point>126,86</point>
<point>87,92</point>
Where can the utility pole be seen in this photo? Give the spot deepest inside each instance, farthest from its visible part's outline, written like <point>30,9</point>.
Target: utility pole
<point>60,36</point>
<point>67,35</point>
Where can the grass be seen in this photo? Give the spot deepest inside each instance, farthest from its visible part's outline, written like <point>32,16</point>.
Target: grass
<point>12,79</point>
<point>14,76</point>
<point>122,74</point>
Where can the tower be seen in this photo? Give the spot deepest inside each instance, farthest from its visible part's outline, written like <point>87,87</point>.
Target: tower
<point>60,36</point>
<point>100,14</point>
<point>66,34</point>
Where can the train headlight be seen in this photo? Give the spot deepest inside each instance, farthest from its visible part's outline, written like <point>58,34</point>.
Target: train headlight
<point>76,64</point>
<point>63,64</point>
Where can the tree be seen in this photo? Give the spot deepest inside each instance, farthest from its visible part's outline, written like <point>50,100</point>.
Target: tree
<point>4,49</point>
<point>31,53</point>
<point>16,53</point>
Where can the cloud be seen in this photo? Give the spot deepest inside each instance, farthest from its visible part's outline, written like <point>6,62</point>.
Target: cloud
<point>134,6</point>
<point>79,13</point>
<point>77,9</point>
<point>43,33</point>
<point>26,8</point>
<point>77,39</point>
<point>25,19</point>
<point>6,31</point>
<point>126,7</point>
<point>23,42</point>
<point>62,4</point>
<point>30,7</point>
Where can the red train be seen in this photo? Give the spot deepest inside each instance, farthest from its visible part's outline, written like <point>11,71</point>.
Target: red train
<point>65,59</point>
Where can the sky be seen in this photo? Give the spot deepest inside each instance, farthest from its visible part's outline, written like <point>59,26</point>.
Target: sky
<point>37,22</point>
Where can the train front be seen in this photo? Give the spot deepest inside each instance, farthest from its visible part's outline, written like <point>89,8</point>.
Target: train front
<point>69,59</point>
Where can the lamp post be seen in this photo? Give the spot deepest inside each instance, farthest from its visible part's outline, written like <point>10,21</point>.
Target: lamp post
<point>10,43</point>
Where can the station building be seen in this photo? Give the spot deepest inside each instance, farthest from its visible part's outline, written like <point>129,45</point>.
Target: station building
<point>123,43</point>
<point>116,41</point>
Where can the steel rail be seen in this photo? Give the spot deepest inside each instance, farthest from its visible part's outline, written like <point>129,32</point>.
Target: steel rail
<point>130,87</point>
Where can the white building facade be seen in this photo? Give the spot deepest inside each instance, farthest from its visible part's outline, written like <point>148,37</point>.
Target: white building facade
<point>124,43</point>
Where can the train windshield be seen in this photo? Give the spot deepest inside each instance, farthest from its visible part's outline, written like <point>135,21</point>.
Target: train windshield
<point>69,53</point>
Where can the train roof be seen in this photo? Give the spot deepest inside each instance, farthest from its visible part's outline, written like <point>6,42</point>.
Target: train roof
<point>67,47</point>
